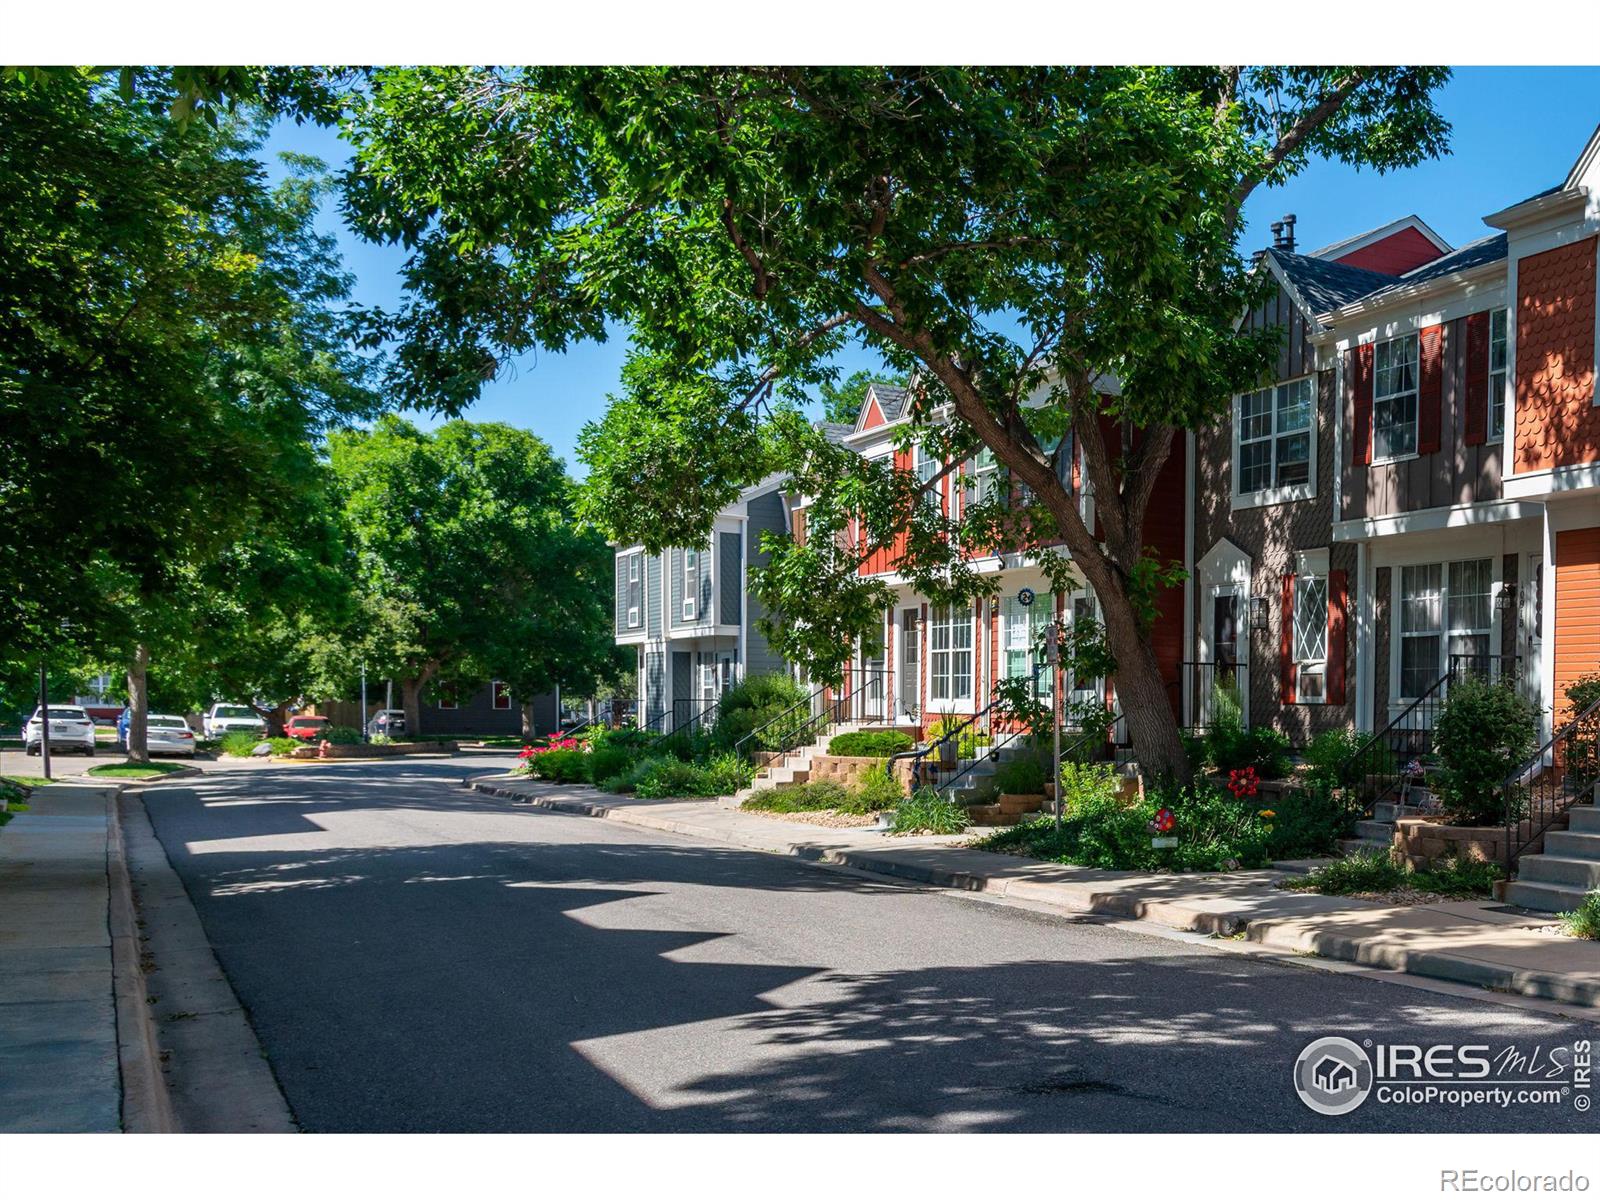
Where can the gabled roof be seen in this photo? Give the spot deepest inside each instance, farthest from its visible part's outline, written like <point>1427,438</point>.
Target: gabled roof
<point>1322,286</point>
<point>1480,253</point>
<point>835,432</point>
<point>1591,151</point>
<point>891,400</point>
<point>1358,241</point>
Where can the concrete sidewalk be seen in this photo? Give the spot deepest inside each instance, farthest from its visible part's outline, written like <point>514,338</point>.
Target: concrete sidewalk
<point>59,1069</point>
<point>1483,944</point>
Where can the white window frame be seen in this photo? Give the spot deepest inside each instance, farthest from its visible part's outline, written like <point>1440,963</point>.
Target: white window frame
<point>1020,627</point>
<point>1445,630</point>
<point>1311,576</point>
<point>635,593</point>
<point>983,477</point>
<point>1502,373</point>
<point>446,701</point>
<point>1394,396</point>
<point>1275,493</point>
<point>691,585</point>
<point>948,624</point>
<point>497,691</point>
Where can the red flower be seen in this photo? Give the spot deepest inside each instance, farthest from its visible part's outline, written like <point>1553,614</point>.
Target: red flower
<point>1164,821</point>
<point>1242,782</point>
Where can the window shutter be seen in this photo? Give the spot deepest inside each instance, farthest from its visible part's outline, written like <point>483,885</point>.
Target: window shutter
<point>1430,387</point>
<point>1286,663</point>
<point>1361,372</point>
<point>1476,419</point>
<point>1338,623</point>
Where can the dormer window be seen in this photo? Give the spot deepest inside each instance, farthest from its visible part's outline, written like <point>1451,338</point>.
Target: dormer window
<point>1274,443</point>
<point>1394,399</point>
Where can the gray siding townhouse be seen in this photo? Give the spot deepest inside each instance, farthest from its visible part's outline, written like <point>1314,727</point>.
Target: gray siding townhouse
<point>689,616</point>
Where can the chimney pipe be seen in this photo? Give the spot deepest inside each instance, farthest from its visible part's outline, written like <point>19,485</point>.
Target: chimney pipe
<point>1277,235</point>
<point>1288,231</point>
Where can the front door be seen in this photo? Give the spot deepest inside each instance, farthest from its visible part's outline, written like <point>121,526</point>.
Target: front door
<point>870,691</point>
<point>910,667</point>
<point>1219,680</point>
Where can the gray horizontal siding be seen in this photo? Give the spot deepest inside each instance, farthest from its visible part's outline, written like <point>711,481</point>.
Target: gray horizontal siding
<point>728,574</point>
<point>652,595</point>
<point>767,514</point>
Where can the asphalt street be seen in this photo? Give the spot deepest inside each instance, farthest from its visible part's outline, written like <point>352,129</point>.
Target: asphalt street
<point>415,956</point>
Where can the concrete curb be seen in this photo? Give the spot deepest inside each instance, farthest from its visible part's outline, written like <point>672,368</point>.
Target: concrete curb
<point>1269,932</point>
<point>146,1106</point>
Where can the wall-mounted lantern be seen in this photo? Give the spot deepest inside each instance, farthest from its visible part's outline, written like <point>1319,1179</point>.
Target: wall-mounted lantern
<point>1258,614</point>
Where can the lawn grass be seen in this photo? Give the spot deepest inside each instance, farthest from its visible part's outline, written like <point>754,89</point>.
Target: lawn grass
<point>27,781</point>
<point>822,796</point>
<point>133,770</point>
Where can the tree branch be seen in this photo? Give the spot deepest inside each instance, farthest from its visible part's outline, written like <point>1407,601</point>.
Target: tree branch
<point>1291,141</point>
<point>771,373</point>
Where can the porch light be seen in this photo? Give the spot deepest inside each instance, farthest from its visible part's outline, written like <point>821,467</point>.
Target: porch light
<point>1506,600</point>
<point>1258,614</point>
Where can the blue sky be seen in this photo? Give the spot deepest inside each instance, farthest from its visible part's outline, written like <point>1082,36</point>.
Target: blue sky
<point>1517,131</point>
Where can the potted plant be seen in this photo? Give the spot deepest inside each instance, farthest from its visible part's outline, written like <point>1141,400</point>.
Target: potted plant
<point>1021,785</point>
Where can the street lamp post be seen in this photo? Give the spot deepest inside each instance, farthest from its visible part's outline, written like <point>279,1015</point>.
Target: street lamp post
<point>363,702</point>
<point>1053,657</point>
<point>44,718</point>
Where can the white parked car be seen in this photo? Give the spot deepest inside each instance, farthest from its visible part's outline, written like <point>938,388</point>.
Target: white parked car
<point>71,728</point>
<point>168,735</point>
<point>226,718</point>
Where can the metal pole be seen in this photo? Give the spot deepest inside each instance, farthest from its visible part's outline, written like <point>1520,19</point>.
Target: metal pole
<point>44,719</point>
<point>363,702</point>
<point>1053,655</point>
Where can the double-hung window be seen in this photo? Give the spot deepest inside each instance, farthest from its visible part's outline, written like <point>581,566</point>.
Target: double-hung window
<point>502,695</point>
<point>1275,432</point>
<point>1497,374</point>
<point>1445,611</point>
<point>691,584</point>
<point>1311,637</point>
<point>1394,398</point>
<point>950,652</point>
<point>635,585</point>
<point>985,474</point>
<point>1020,627</point>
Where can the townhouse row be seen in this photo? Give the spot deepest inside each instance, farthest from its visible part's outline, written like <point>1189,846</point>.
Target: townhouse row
<point>1419,485</point>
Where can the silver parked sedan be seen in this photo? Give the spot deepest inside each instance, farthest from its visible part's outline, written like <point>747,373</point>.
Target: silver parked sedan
<point>71,728</point>
<point>168,735</point>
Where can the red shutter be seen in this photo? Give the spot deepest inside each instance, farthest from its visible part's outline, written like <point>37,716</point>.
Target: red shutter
<point>1430,387</point>
<point>1361,443</point>
<point>1338,622</point>
<point>1476,420</point>
<point>1286,663</point>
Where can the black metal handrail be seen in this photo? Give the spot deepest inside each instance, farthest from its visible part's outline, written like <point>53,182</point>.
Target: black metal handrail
<point>743,745</point>
<point>1197,683</point>
<point>1560,774</point>
<point>701,715</point>
<point>657,722</point>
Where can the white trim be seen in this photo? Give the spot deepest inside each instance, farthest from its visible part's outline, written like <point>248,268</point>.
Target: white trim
<point>1366,601</point>
<point>1432,290</point>
<point>1337,416</point>
<point>1361,241</point>
<point>1427,520</point>
<point>1275,494</point>
<point>1551,481</point>
<point>1539,208</point>
<point>1376,324</point>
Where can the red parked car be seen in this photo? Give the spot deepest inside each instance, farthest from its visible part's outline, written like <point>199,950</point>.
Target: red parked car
<point>307,729</point>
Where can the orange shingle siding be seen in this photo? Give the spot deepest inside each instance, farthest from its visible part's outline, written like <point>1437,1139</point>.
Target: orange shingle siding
<point>1577,609</point>
<point>1557,421</point>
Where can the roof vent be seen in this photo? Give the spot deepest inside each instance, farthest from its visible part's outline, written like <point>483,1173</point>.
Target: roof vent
<point>1283,233</point>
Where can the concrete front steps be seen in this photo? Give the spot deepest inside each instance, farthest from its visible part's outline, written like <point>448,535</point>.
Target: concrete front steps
<point>1376,836</point>
<point>794,767</point>
<point>1008,810</point>
<point>1558,879</point>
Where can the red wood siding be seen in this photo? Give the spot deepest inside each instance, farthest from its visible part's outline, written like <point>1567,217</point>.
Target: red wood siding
<point>1577,610</point>
<point>1338,623</point>
<point>874,415</point>
<point>1394,255</point>
<point>1287,667</point>
<point>1558,423</point>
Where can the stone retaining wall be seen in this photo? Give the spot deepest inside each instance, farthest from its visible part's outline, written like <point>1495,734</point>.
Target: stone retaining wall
<point>1421,841</point>
<point>838,768</point>
<point>388,750</point>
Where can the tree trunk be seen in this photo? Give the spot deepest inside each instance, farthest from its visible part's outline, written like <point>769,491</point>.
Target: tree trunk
<point>1142,692</point>
<point>139,706</point>
<point>411,701</point>
<point>528,729</point>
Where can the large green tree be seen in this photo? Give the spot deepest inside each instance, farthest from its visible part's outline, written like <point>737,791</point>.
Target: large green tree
<point>1053,252</point>
<point>174,336</point>
<point>469,561</point>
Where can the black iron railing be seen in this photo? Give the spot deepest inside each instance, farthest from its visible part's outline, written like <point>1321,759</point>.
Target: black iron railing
<point>694,714</point>
<point>1563,772</point>
<point>805,720</point>
<point>1206,694</point>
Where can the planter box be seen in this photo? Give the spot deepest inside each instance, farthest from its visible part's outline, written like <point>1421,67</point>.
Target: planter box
<point>1015,804</point>
<point>1423,840</point>
<point>845,769</point>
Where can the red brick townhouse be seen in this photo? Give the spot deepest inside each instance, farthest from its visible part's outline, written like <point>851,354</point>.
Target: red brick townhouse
<point>1420,484</point>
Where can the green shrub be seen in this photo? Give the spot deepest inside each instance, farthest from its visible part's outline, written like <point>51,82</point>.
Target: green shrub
<point>628,779</point>
<point>671,777</point>
<point>879,743</point>
<point>1582,692</point>
<point>754,702</point>
<point>878,790</point>
<point>1485,732</point>
<point>1021,777</point>
<point>627,737</point>
<point>1229,747</point>
<point>970,742</point>
<point>607,762</point>
<point>284,745</point>
<point>1309,820</point>
<point>824,795</point>
<point>1452,878</point>
<point>341,735</point>
<point>925,811</point>
<point>1584,921</point>
<point>239,743</point>
<point>560,766</point>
